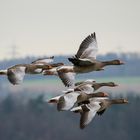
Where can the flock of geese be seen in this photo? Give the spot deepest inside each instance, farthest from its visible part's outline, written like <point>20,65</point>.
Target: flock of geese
<point>80,97</point>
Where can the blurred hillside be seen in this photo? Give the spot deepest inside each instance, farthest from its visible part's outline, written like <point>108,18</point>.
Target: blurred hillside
<point>37,120</point>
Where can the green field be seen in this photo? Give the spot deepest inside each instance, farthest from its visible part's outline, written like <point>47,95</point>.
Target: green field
<point>55,81</point>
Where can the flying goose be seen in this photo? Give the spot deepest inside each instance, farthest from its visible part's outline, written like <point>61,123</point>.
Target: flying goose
<point>95,105</point>
<point>90,86</point>
<point>86,55</point>
<point>85,59</point>
<point>15,74</point>
<point>46,62</point>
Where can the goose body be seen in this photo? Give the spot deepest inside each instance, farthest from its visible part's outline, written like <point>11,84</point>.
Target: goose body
<point>52,71</point>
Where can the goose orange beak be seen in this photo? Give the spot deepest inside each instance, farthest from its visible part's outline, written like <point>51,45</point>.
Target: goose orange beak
<point>126,101</point>
<point>122,62</point>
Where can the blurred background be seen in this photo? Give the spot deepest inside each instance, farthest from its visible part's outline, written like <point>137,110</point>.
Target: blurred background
<point>34,29</point>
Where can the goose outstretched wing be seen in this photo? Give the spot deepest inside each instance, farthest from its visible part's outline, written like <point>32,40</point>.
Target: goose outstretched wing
<point>43,60</point>
<point>88,47</point>
<point>89,112</point>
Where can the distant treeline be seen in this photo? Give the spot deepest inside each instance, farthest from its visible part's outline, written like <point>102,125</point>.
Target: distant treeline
<point>131,67</point>
<point>37,120</point>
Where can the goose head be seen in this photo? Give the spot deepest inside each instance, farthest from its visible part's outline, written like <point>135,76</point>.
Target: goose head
<point>53,101</point>
<point>112,84</point>
<point>125,101</point>
<point>117,62</point>
<point>119,101</point>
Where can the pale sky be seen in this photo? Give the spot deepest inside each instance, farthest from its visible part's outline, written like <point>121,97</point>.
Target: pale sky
<point>50,27</point>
